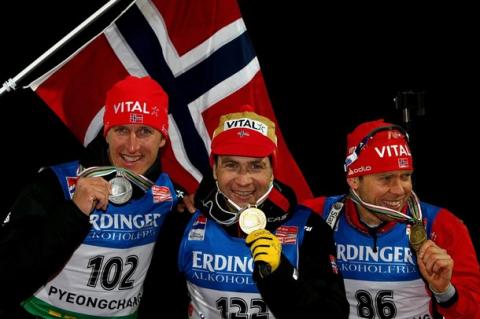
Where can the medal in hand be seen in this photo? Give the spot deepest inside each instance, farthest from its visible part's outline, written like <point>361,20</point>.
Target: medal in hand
<point>418,235</point>
<point>252,219</point>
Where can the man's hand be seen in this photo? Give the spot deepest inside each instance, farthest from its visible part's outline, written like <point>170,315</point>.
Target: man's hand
<point>435,265</point>
<point>186,203</point>
<point>90,193</point>
<point>265,247</point>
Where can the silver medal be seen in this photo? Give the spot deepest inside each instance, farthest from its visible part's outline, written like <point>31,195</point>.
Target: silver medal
<point>252,219</point>
<point>121,190</point>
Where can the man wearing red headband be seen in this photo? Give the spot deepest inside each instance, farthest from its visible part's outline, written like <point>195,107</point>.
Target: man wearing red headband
<point>79,240</point>
<point>400,258</point>
<point>285,266</point>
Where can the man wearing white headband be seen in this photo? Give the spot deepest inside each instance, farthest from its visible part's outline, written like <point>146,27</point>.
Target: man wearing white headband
<point>240,262</point>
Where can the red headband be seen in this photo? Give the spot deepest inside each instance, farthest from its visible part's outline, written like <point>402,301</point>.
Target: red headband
<point>376,147</point>
<point>136,101</point>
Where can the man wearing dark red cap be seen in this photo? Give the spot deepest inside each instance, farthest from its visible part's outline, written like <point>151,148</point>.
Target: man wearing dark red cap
<point>79,240</point>
<point>283,269</point>
<point>400,258</point>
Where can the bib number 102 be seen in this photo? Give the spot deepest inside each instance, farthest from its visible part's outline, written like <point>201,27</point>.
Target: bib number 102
<point>113,272</point>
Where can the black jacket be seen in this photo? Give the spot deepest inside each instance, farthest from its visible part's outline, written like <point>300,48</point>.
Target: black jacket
<point>319,291</point>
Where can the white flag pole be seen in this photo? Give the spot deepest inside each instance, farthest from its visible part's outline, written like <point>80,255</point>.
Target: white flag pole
<point>11,84</point>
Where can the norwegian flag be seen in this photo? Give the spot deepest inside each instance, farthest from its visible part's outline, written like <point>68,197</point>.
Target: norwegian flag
<point>199,51</point>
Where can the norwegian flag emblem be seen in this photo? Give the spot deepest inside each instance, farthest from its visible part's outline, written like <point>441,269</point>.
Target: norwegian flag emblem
<point>136,118</point>
<point>287,234</point>
<point>198,229</point>
<point>71,183</point>
<point>402,162</point>
<point>200,223</point>
<point>333,263</point>
<point>161,194</point>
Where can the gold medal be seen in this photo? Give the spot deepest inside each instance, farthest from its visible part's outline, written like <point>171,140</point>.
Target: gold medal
<point>121,190</point>
<point>252,219</point>
<point>418,235</point>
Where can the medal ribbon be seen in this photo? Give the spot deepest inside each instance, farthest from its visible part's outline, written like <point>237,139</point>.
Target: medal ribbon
<point>235,215</point>
<point>141,181</point>
<point>413,205</point>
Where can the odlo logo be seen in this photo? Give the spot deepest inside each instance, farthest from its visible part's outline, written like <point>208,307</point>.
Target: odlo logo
<point>361,169</point>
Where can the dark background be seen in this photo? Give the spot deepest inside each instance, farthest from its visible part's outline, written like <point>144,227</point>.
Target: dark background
<point>327,68</point>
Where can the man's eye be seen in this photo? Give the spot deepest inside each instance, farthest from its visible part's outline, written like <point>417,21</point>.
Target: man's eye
<point>144,131</point>
<point>121,130</point>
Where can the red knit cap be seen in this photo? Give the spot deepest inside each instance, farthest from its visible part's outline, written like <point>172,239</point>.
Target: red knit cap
<point>245,134</point>
<point>136,101</point>
<point>376,147</point>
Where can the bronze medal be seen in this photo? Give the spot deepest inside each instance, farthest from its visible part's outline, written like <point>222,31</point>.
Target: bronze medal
<point>252,219</point>
<point>418,235</point>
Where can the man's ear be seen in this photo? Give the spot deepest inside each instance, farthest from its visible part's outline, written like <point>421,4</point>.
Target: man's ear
<point>353,182</point>
<point>214,168</point>
<point>162,142</point>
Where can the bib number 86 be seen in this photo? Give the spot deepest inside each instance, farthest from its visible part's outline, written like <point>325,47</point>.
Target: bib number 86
<point>382,304</point>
